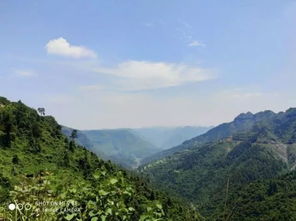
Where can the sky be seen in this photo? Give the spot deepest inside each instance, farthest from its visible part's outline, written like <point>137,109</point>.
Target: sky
<point>128,64</point>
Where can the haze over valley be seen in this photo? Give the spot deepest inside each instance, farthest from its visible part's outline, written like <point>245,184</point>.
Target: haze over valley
<point>128,147</point>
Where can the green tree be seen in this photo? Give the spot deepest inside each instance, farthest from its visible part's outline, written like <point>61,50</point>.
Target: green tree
<point>74,134</point>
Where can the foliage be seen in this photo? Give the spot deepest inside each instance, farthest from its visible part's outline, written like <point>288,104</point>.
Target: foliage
<point>121,146</point>
<point>251,148</point>
<point>40,169</point>
<point>270,199</point>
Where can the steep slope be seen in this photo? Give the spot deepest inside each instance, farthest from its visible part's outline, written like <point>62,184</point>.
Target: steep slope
<point>270,199</point>
<point>241,123</point>
<point>262,147</point>
<point>128,147</point>
<point>121,146</point>
<point>81,139</point>
<point>47,177</point>
<point>167,137</point>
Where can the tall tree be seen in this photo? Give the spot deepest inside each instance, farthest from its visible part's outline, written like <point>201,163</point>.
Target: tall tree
<point>74,134</point>
<point>41,111</point>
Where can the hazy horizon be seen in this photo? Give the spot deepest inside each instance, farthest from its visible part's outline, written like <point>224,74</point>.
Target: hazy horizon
<point>135,128</point>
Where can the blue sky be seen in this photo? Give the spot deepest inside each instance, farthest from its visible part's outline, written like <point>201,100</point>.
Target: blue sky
<point>110,64</point>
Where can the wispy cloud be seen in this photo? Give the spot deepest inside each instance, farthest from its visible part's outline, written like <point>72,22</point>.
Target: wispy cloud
<point>62,47</point>
<point>186,32</point>
<point>145,75</point>
<point>196,44</point>
<point>185,24</point>
<point>25,73</point>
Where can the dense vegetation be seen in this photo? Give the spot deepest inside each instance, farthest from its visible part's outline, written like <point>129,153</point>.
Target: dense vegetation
<point>121,146</point>
<point>269,199</point>
<point>241,123</point>
<point>249,149</point>
<point>240,172</point>
<point>55,179</point>
<point>130,147</point>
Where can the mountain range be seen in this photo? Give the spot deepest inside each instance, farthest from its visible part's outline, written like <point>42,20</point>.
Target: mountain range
<point>129,147</point>
<point>253,147</point>
<point>243,170</point>
<point>168,137</point>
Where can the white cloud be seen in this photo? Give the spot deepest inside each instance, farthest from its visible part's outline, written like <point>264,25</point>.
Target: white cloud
<point>61,46</point>
<point>25,73</point>
<point>142,75</point>
<point>196,44</point>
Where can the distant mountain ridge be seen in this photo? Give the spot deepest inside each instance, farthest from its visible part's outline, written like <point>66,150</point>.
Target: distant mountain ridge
<point>242,122</point>
<point>128,147</point>
<point>251,147</point>
<point>168,137</point>
<point>119,145</point>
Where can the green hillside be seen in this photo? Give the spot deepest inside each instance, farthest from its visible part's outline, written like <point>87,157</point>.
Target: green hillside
<point>121,146</point>
<point>55,179</point>
<point>241,123</point>
<point>131,147</point>
<point>252,147</point>
<point>268,200</point>
<point>81,138</point>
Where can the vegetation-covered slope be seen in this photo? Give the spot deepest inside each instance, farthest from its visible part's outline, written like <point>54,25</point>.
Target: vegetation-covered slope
<point>202,169</point>
<point>80,138</point>
<point>241,123</point>
<point>121,146</point>
<point>49,177</point>
<point>130,147</point>
<point>268,200</point>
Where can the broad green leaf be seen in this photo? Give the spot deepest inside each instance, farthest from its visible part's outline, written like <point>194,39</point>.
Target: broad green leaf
<point>70,216</point>
<point>109,211</point>
<point>103,217</point>
<point>158,205</point>
<point>96,176</point>
<point>113,180</point>
<point>103,192</point>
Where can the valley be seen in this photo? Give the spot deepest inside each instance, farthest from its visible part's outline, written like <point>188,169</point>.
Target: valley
<point>131,147</point>
<point>251,149</point>
<point>241,170</point>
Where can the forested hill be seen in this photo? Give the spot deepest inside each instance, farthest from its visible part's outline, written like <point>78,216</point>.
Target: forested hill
<point>56,179</point>
<point>252,147</point>
<point>128,147</point>
<point>241,123</point>
<point>268,199</point>
<point>121,146</point>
